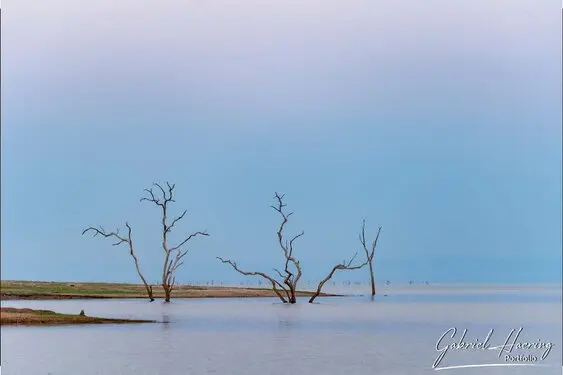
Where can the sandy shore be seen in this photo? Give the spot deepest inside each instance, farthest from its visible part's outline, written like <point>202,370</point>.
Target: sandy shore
<point>19,290</point>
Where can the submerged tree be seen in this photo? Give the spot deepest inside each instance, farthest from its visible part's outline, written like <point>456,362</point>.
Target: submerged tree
<point>370,252</point>
<point>286,287</point>
<point>173,256</point>
<point>121,240</point>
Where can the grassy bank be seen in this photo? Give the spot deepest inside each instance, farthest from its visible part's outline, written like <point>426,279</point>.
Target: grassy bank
<point>28,317</point>
<point>12,290</point>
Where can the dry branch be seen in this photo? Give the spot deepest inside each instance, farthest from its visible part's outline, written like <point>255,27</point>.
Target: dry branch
<point>120,240</point>
<point>341,266</point>
<point>370,252</point>
<point>273,281</point>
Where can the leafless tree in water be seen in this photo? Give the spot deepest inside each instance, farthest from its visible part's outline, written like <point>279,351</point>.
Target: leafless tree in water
<point>287,287</point>
<point>370,252</point>
<point>173,256</point>
<point>122,240</point>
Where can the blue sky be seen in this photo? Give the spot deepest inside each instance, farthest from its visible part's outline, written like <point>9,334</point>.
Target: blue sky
<point>439,120</point>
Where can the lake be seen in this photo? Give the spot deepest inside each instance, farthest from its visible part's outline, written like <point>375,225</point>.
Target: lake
<point>392,335</point>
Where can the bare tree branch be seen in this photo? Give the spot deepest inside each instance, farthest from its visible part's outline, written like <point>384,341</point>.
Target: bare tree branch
<point>204,233</point>
<point>121,240</point>
<point>341,266</point>
<point>101,231</point>
<point>176,220</point>
<point>273,281</point>
<point>279,273</point>
<point>369,252</point>
<point>152,198</point>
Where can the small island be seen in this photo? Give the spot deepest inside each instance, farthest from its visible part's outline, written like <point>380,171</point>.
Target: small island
<point>30,317</point>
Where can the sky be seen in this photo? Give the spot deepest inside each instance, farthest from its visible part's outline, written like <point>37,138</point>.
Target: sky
<point>438,120</point>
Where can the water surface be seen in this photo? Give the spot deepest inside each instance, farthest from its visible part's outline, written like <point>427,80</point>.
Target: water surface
<point>396,334</point>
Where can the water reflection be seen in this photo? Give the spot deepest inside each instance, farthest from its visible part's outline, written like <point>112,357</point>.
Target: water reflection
<point>165,322</point>
<point>285,324</point>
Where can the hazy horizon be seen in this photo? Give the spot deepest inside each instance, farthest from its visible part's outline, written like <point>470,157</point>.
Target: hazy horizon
<point>439,121</point>
<point>356,284</point>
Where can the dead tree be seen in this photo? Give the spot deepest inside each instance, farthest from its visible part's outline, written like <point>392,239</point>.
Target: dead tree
<point>370,252</point>
<point>173,256</point>
<point>341,266</point>
<point>287,287</point>
<point>121,240</point>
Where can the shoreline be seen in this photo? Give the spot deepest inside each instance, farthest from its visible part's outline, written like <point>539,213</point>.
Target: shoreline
<point>14,290</point>
<point>10,316</point>
<point>46,290</point>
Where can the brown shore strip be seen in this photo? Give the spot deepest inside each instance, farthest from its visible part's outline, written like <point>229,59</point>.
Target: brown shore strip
<point>44,290</point>
<point>30,317</point>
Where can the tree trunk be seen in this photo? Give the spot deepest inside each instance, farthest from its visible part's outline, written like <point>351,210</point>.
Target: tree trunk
<point>319,288</point>
<point>149,292</point>
<point>292,298</point>
<point>147,286</point>
<point>167,291</point>
<point>323,282</point>
<point>372,279</point>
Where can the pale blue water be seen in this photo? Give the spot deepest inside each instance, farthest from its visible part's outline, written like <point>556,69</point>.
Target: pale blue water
<point>396,334</point>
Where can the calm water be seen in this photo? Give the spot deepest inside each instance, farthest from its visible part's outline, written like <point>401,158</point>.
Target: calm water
<point>396,334</point>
